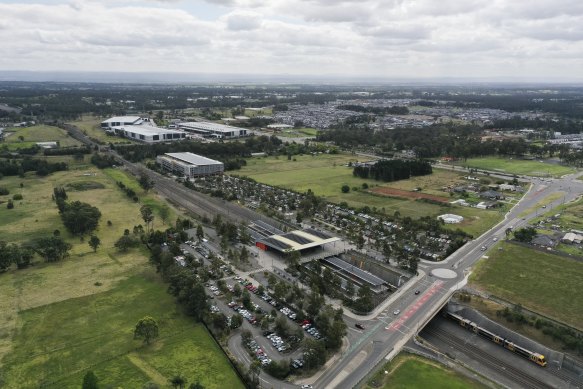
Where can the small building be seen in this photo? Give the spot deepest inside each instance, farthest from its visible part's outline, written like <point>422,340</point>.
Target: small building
<point>461,202</point>
<point>571,237</point>
<point>449,218</point>
<point>544,241</point>
<point>190,165</point>
<point>492,195</point>
<point>47,145</point>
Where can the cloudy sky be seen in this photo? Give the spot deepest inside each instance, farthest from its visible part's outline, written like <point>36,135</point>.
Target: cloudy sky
<point>491,39</point>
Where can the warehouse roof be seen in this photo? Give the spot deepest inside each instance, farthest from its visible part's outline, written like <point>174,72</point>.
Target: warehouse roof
<point>208,126</point>
<point>123,119</point>
<point>147,130</point>
<point>193,158</point>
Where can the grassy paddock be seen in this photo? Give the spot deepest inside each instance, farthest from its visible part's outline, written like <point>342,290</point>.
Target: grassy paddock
<point>542,282</point>
<point>58,343</point>
<point>408,371</point>
<point>517,166</point>
<point>40,133</point>
<point>325,175</point>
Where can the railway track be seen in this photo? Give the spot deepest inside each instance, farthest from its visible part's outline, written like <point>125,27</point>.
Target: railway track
<point>504,369</point>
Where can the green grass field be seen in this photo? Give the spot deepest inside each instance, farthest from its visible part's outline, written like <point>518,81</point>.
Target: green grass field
<point>40,133</point>
<point>543,282</point>
<point>59,342</point>
<point>412,372</point>
<point>59,319</point>
<point>517,166</point>
<point>325,175</point>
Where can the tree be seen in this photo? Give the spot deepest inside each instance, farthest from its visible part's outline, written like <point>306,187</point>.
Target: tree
<point>345,188</point>
<point>364,301</point>
<point>94,242</point>
<point>199,232</point>
<point>244,256</point>
<point>147,329</point>
<point>525,234</point>
<point>5,256</point>
<point>196,385</point>
<point>90,381</point>
<point>125,242</point>
<point>244,235</point>
<point>146,183</point>
<point>80,218</point>
<point>178,381</point>
<point>236,321</point>
<point>147,215</point>
<point>9,204</point>
<point>52,248</point>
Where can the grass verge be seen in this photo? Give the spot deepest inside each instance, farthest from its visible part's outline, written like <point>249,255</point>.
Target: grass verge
<point>518,166</point>
<point>542,282</point>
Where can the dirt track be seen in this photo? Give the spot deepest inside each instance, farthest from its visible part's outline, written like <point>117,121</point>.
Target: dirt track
<point>408,195</point>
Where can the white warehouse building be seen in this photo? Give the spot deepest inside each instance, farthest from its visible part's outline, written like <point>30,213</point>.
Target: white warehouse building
<point>190,165</point>
<point>119,121</point>
<point>214,130</point>
<point>148,134</point>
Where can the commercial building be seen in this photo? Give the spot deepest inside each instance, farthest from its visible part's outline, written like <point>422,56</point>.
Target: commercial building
<point>190,165</point>
<point>213,130</point>
<point>119,121</point>
<point>300,240</point>
<point>148,134</point>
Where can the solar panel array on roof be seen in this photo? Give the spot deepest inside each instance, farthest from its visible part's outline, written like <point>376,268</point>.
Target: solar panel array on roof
<point>319,234</point>
<point>276,243</point>
<point>355,271</point>
<point>297,238</point>
<point>268,227</point>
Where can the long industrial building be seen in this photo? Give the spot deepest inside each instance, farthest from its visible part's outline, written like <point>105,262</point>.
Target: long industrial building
<point>213,130</point>
<point>299,240</point>
<point>118,121</point>
<point>148,134</point>
<point>190,165</point>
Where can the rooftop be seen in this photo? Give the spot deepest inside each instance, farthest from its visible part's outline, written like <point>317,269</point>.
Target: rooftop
<point>298,240</point>
<point>147,130</point>
<point>210,126</point>
<point>355,271</point>
<point>122,119</point>
<point>193,158</point>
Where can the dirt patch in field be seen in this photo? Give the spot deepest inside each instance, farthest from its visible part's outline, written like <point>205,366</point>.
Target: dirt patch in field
<point>407,194</point>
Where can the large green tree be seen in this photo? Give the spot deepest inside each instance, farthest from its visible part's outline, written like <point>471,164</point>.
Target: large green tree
<point>52,248</point>
<point>146,329</point>
<point>80,218</point>
<point>90,381</point>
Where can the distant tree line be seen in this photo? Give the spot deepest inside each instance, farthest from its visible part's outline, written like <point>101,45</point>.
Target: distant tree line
<point>68,151</point>
<point>15,167</point>
<point>393,170</point>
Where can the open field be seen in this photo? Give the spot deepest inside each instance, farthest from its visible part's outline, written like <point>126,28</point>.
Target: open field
<point>58,320</point>
<point>544,201</point>
<point>543,282</point>
<point>517,166</point>
<point>40,133</point>
<point>58,343</point>
<point>325,175</point>
<point>411,372</point>
<point>407,194</point>
<point>89,125</point>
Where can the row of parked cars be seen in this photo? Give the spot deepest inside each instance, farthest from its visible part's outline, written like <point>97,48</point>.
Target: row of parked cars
<point>249,316</point>
<point>310,329</point>
<point>278,343</point>
<point>258,352</point>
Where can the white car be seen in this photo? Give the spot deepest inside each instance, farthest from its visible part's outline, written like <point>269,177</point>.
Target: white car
<point>396,312</point>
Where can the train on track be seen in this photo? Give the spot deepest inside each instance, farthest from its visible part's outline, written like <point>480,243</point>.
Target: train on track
<point>537,358</point>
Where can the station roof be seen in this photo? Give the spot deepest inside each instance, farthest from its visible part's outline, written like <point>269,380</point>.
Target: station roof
<point>369,278</point>
<point>298,240</point>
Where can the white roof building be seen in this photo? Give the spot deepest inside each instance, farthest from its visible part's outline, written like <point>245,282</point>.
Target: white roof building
<point>148,134</point>
<point>449,218</point>
<point>190,165</point>
<point>213,129</point>
<point>118,121</point>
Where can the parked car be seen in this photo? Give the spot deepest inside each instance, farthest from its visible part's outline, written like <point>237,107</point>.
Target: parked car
<point>359,326</point>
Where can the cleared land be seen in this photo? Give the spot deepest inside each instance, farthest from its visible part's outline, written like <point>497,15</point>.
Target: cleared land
<point>543,282</point>
<point>325,174</point>
<point>407,194</point>
<point>517,166</point>
<point>89,125</point>
<point>40,133</point>
<point>407,371</point>
<point>58,343</point>
<point>59,319</point>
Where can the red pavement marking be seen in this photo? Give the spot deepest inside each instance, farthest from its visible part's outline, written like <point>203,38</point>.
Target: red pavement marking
<point>399,322</point>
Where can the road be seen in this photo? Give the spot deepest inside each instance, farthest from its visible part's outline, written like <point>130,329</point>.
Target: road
<point>387,332</point>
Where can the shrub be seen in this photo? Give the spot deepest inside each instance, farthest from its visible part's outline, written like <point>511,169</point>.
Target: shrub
<point>17,196</point>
